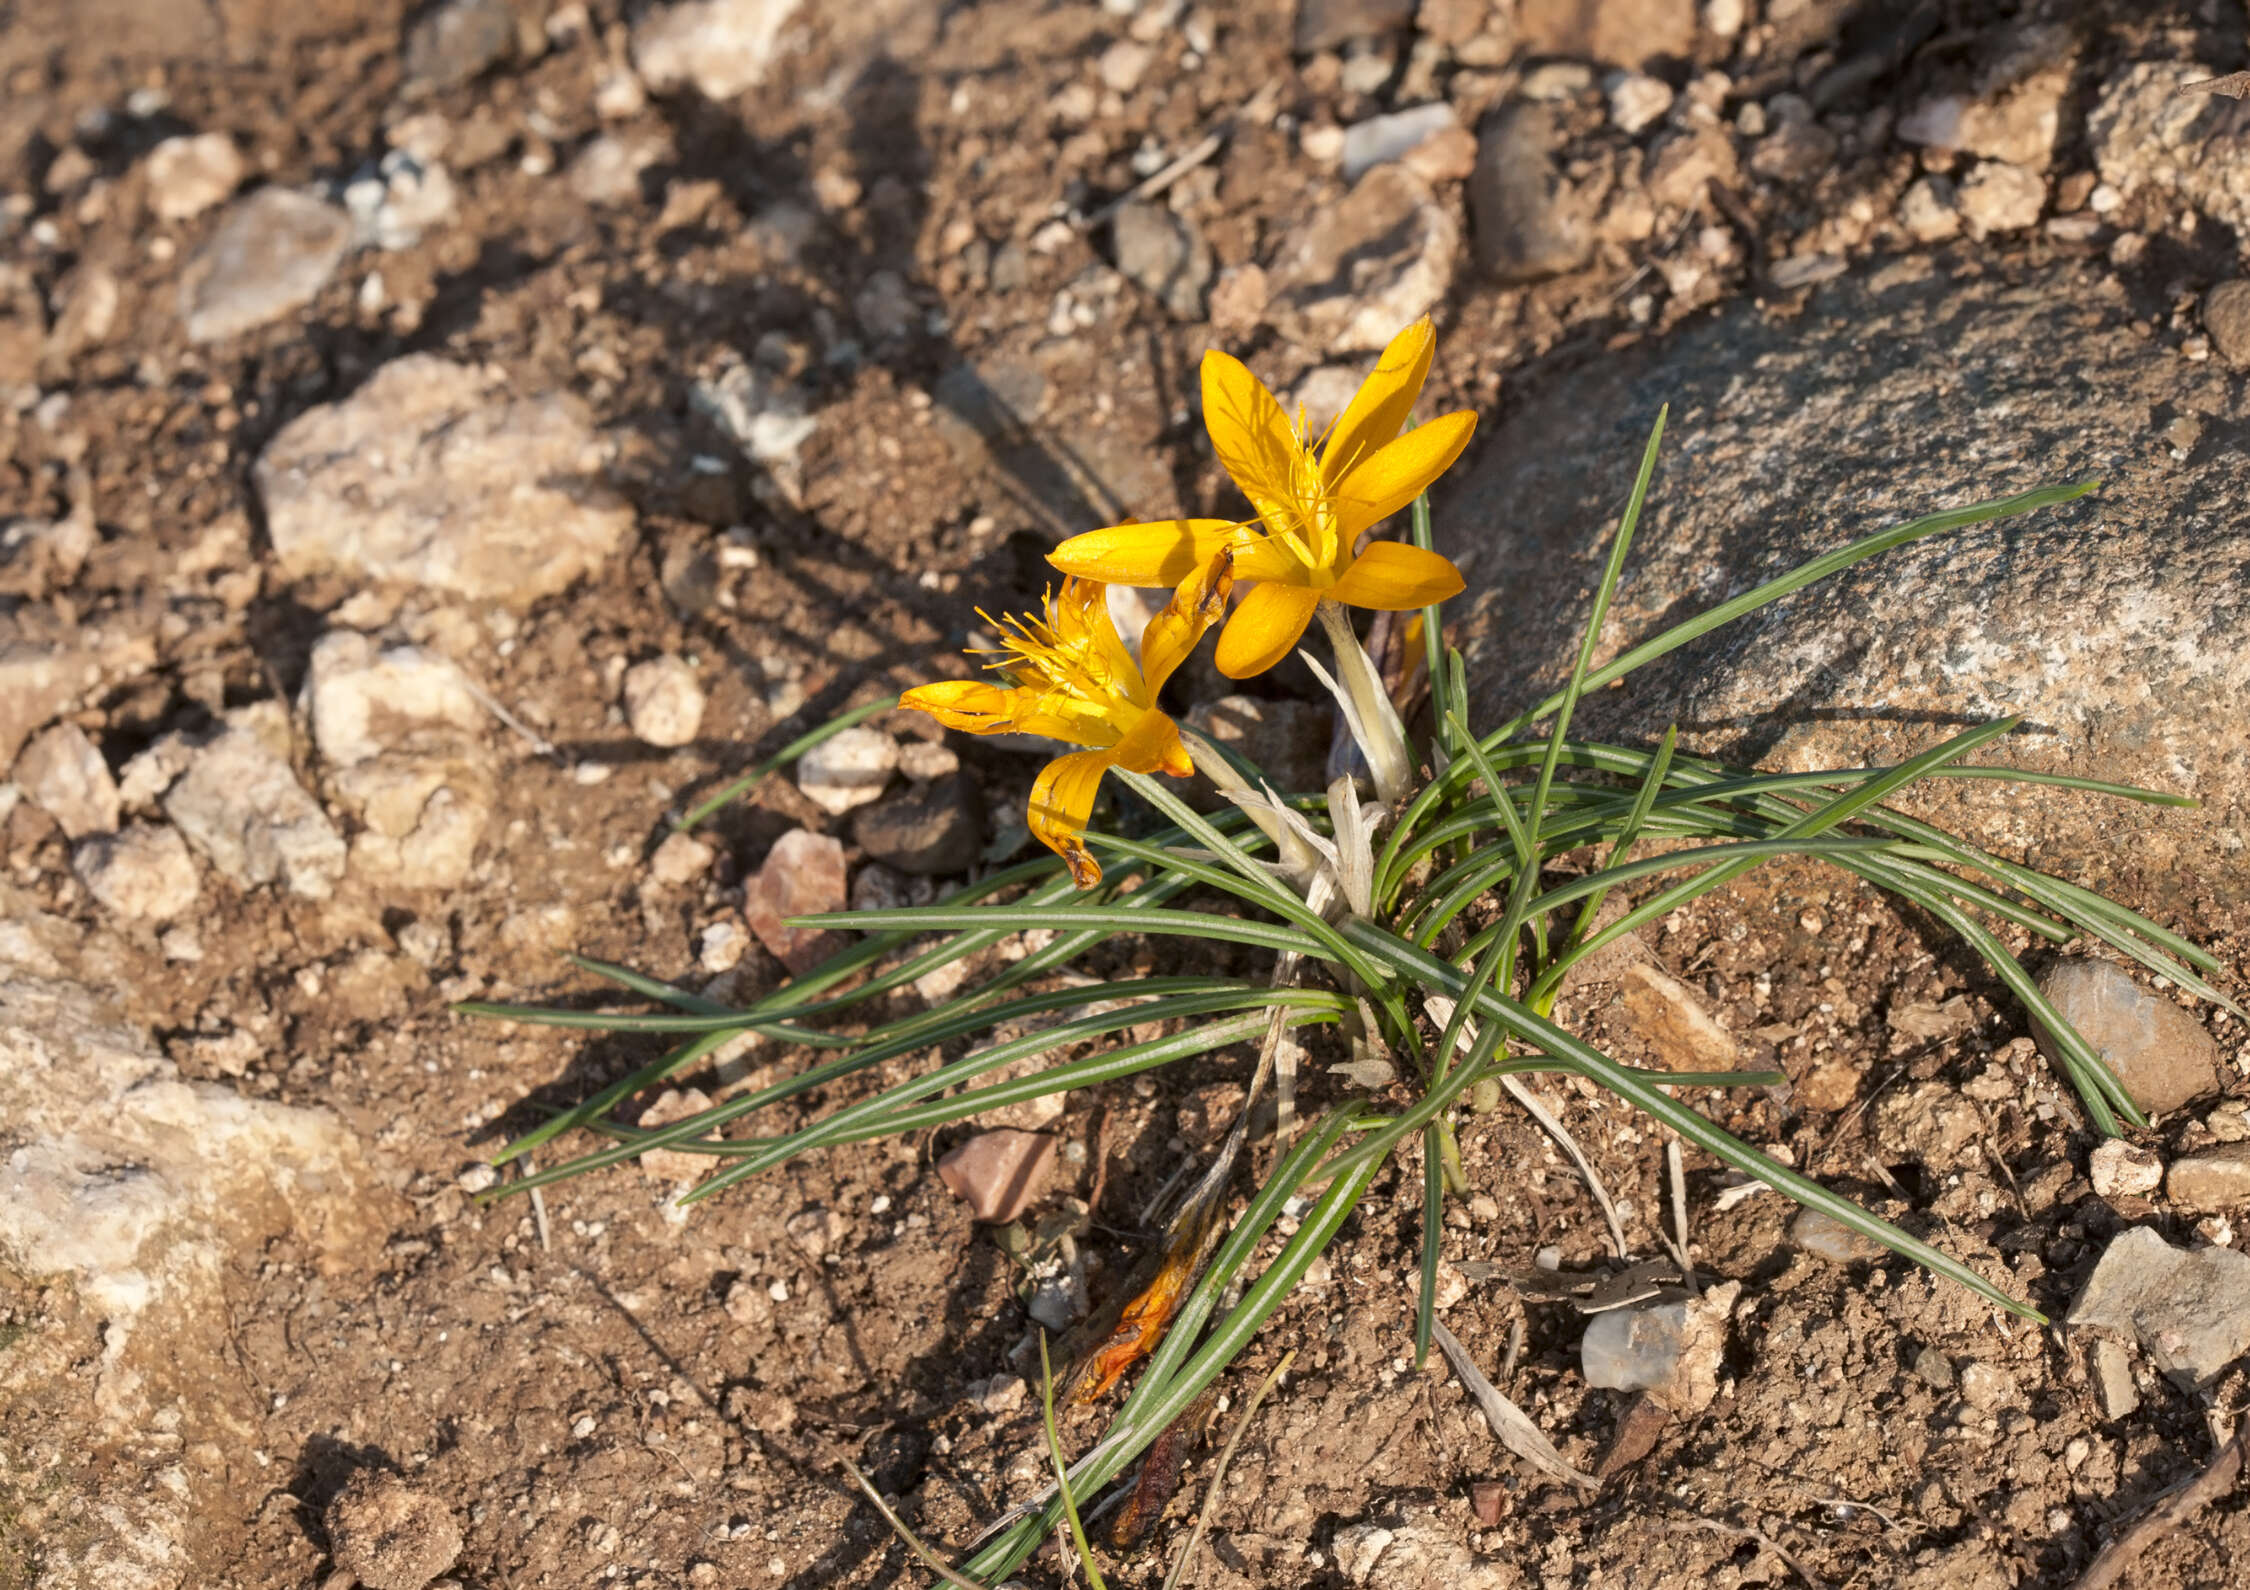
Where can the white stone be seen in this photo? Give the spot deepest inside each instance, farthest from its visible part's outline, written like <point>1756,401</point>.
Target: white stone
<point>186,176</point>
<point>608,169</point>
<point>403,735</point>
<point>672,1165</point>
<point>1638,102</point>
<point>62,773</point>
<point>682,858</point>
<point>721,47</point>
<point>850,769</point>
<point>1671,1350</point>
<point>423,814</point>
<point>144,778</point>
<point>1358,1548</point>
<point>242,807</point>
<point>1122,64</point>
<point>2002,198</point>
<point>2119,1169</point>
<point>1369,143</point>
<point>721,947</point>
<point>923,760</point>
<point>362,700</point>
<point>406,197</point>
<point>436,474</point>
<point>144,873</point>
<point>663,702</point>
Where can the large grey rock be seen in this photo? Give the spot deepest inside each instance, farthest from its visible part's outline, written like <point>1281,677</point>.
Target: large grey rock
<point>143,1200</point>
<point>435,474</point>
<point>2119,626</point>
<point>2147,135</point>
<point>2190,1310</point>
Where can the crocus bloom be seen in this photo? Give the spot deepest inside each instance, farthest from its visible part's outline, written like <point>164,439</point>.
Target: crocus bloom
<point>1312,507</point>
<point>1070,678</point>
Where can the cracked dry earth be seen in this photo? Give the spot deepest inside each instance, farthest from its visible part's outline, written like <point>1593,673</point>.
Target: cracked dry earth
<point>438,444</point>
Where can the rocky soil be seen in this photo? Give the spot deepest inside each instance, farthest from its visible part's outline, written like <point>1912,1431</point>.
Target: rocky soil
<point>440,443</point>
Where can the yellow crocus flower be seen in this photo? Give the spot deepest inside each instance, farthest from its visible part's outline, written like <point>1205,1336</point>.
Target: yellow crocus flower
<point>1312,507</point>
<point>1070,678</point>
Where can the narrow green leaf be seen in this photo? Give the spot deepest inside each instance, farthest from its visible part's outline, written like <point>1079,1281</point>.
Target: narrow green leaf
<point>1534,1029</point>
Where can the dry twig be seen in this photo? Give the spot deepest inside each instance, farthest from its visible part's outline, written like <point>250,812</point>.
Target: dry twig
<point>2179,1505</point>
<point>1510,1423</point>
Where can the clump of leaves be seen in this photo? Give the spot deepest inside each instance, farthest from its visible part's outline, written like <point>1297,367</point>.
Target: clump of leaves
<point>1368,913</point>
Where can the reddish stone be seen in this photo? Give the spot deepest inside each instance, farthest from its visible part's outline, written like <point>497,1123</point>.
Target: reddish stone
<point>999,1174</point>
<point>803,873</point>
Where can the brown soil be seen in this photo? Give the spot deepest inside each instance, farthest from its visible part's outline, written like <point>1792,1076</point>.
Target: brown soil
<point>590,1407</point>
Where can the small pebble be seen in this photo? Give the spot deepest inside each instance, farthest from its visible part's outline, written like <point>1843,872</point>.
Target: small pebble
<point>999,1174</point>
<point>2213,1182</point>
<point>663,702</point>
<point>803,873</point>
<point>388,1534</point>
<point>1638,101</point>
<point>2119,1169</point>
<point>924,760</point>
<point>2159,1051</point>
<point>187,176</point>
<point>847,770</point>
<point>2226,315</point>
<point>681,859</point>
<point>721,947</point>
<point>62,772</point>
<point>144,873</point>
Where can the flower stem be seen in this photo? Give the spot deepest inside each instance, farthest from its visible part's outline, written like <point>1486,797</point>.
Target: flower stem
<point>1382,738</point>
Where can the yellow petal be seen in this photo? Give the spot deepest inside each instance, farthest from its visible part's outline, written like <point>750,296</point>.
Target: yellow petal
<point>1062,802</point>
<point>1380,407</point>
<point>1200,602</point>
<point>1083,610</point>
<point>1251,434</point>
<point>1264,628</point>
<point>1163,553</point>
<point>968,704</point>
<point>1401,471</point>
<point>1153,745</point>
<point>1393,576</point>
